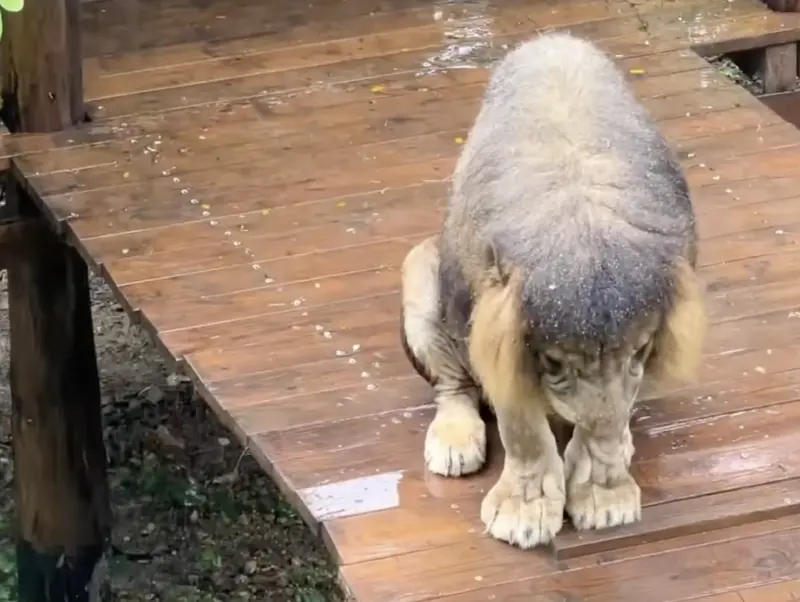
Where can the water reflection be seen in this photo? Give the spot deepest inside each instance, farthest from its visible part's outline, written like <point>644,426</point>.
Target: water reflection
<point>468,36</point>
<point>354,496</point>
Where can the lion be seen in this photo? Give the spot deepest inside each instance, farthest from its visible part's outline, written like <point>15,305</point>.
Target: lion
<point>562,279</point>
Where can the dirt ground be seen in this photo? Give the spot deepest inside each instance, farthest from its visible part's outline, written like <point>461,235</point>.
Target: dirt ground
<point>196,520</point>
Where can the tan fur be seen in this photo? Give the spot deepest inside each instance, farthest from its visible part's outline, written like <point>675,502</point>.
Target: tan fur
<point>553,292</point>
<point>455,443</point>
<point>496,344</point>
<point>601,492</point>
<point>679,343</point>
<point>526,505</point>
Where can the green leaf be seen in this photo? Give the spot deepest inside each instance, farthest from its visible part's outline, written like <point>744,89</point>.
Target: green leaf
<point>1,24</point>
<point>12,6</point>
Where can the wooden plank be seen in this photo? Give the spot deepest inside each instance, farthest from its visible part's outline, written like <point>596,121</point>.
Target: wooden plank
<point>623,34</point>
<point>183,153</point>
<point>773,163</point>
<point>302,123</point>
<point>745,33</point>
<point>679,574</point>
<point>265,236</point>
<point>230,31</point>
<point>447,568</point>
<point>261,298</point>
<point>697,515</point>
<point>784,591</point>
<point>442,515</point>
<point>177,65</point>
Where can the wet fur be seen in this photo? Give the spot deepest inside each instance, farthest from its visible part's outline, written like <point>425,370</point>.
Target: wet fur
<point>564,274</point>
<point>566,179</point>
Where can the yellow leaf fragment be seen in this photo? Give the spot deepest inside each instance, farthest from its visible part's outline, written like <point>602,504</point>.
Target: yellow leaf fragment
<point>377,88</point>
<point>636,71</point>
<point>459,140</point>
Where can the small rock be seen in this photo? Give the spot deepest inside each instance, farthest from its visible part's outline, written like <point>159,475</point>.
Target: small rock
<point>154,394</point>
<point>250,567</point>
<point>167,438</point>
<point>173,380</point>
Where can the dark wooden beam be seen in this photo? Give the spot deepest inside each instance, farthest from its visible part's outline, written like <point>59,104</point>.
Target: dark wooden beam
<point>784,6</point>
<point>59,456</point>
<point>62,500</point>
<point>777,68</point>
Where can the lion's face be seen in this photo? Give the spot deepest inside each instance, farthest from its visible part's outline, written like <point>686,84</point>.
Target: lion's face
<point>595,389</point>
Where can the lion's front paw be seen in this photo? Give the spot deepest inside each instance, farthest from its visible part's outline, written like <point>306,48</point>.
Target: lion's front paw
<point>592,506</point>
<point>456,441</point>
<point>526,515</point>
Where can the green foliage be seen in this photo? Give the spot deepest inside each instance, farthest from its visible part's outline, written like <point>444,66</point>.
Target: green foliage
<point>12,6</point>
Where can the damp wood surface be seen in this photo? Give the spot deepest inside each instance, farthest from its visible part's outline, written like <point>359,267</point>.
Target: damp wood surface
<point>250,184</point>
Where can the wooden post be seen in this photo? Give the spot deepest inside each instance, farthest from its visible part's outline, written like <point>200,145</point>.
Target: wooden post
<point>777,68</point>
<point>40,63</point>
<point>63,510</point>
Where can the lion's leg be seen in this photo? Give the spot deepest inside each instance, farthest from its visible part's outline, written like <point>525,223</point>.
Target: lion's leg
<point>601,492</point>
<point>526,505</point>
<point>456,440</point>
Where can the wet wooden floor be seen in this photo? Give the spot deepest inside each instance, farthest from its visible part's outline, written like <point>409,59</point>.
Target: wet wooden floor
<point>253,177</point>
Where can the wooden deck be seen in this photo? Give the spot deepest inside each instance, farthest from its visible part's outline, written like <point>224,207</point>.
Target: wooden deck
<point>253,177</point>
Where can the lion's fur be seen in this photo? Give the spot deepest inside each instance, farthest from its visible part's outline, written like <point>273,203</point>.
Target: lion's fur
<point>497,344</point>
<point>679,341</point>
<point>564,275</point>
<point>567,182</point>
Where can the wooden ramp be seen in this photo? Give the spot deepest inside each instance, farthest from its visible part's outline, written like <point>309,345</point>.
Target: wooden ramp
<point>251,183</point>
